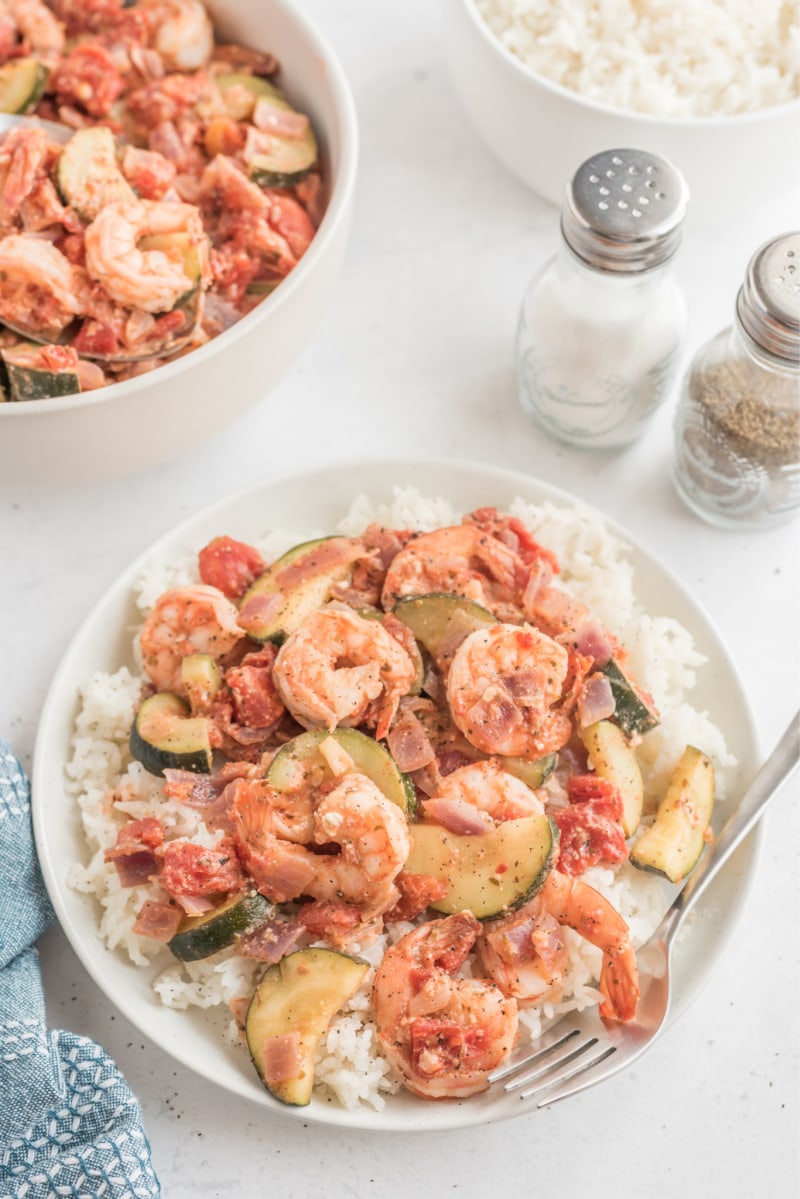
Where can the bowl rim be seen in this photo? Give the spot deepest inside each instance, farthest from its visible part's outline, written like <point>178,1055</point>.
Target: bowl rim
<point>481,27</point>
<point>346,120</point>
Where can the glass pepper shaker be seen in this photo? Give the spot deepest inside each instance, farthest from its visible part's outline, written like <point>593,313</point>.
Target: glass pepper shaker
<point>602,325</point>
<point>737,425</point>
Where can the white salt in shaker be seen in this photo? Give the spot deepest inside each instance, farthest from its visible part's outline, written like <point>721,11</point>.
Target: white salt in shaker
<point>602,325</point>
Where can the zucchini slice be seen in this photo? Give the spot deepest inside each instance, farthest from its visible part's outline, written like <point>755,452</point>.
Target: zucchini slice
<point>30,377</point>
<point>491,873</point>
<point>533,773</point>
<point>288,159</point>
<point>290,1012</point>
<point>301,599</point>
<point>22,85</point>
<point>88,175</point>
<point>633,712</point>
<point>435,619</point>
<point>240,93</point>
<point>165,736</point>
<point>673,844</point>
<point>300,761</point>
<point>181,245</point>
<point>200,936</point>
<point>613,759</point>
<point>202,678</point>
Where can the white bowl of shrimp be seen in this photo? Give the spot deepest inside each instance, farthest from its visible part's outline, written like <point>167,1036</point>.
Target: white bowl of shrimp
<point>100,911</point>
<point>146,309</point>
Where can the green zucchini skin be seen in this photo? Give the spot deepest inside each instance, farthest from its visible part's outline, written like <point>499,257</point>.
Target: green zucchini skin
<point>201,936</point>
<point>29,379</point>
<point>429,616</point>
<point>300,600</point>
<point>300,759</point>
<point>22,84</point>
<point>613,759</point>
<point>673,844</point>
<point>165,736</point>
<point>632,713</point>
<point>299,995</point>
<point>288,159</point>
<point>533,773</point>
<point>491,874</point>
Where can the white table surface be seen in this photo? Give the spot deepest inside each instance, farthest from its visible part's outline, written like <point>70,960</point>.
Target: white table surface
<point>415,357</point>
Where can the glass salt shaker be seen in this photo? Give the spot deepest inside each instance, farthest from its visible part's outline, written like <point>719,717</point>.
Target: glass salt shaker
<point>602,326</point>
<point>737,425</point>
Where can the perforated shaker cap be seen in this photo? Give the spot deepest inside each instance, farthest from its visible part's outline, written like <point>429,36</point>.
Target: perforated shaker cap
<point>768,304</point>
<point>624,211</point>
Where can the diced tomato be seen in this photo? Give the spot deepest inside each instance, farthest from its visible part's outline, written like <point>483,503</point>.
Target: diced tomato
<point>231,566</point>
<point>57,358</point>
<point>168,323</point>
<point>417,891</point>
<point>158,920</point>
<point>591,786</point>
<point>256,701</point>
<point>88,78</point>
<point>438,1045</point>
<point>591,827</point>
<point>147,832</point>
<point>191,869</point>
<point>95,338</point>
<point>324,918</point>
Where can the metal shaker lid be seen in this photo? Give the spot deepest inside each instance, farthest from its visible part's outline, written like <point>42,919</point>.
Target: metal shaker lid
<point>768,304</point>
<point>624,211</point>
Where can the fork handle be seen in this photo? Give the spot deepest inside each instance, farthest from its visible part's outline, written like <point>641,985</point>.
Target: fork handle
<point>778,767</point>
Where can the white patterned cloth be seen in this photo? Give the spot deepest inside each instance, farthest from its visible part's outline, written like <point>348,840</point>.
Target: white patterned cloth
<point>69,1124</point>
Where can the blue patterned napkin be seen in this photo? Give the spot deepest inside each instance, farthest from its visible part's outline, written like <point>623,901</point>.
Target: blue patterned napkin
<point>69,1124</point>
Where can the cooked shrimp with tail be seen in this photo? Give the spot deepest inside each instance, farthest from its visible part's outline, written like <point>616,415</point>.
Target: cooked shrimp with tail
<point>526,955</point>
<point>443,1033</point>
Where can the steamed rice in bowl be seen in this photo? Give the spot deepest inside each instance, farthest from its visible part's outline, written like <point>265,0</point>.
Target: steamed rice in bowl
<point>686,58</point>
<point>109,787</point>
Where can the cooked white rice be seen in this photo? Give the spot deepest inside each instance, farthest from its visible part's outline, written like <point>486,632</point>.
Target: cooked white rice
<point>109,787</point>
<point>684,58</point>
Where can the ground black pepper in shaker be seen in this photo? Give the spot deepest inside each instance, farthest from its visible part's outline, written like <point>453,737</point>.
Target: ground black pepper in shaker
<point>737,425</point>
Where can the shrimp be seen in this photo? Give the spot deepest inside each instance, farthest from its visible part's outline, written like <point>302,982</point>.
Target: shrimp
<point>184,34</point>
<point>338,668</point>
<point>502,687</point>
<point>38,25</point>
<point>526,955</point>
<point>442,1033</point>
<point>370,832</point>
<point>487,787</point>
<point>462,560</point>
<point>41,288</point>
<point>23,156</point>
<point>151,280</point>
<point>186,620</point>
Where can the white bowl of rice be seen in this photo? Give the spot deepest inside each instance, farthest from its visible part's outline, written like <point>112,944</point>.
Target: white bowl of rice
<point>711,85</point>
<point>153,418</point>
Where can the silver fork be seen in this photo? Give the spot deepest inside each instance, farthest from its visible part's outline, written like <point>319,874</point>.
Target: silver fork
<point>581,1051</point>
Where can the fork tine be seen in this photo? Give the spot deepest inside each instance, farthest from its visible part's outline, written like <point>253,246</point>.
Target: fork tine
<point>530,1056</point>
<point>554,1061</point>
<point>580,1071</point>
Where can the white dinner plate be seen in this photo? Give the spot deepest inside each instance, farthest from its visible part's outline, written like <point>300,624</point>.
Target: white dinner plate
<point>304,504</point>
